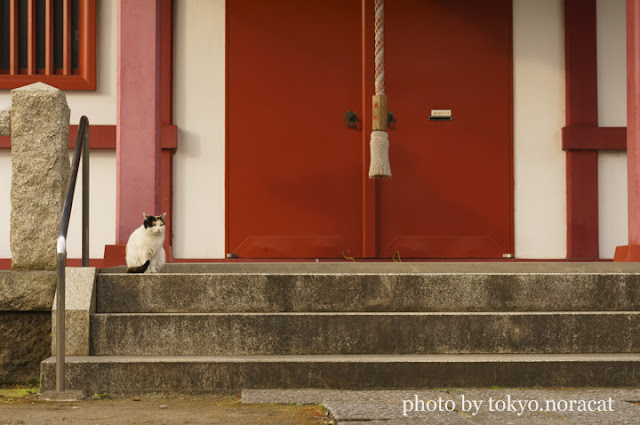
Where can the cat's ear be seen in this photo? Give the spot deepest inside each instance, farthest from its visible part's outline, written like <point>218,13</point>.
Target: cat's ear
<point>145,216</point>
<point>163,215</point>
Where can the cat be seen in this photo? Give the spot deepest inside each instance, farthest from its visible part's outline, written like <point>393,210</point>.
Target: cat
<point>144,248</point>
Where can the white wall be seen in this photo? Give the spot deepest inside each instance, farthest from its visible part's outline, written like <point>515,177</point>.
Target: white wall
<point>100,108</point>
<point>102,207</point>
<point>199,113</point>
<point>612,112</point>
<point>539,105</point>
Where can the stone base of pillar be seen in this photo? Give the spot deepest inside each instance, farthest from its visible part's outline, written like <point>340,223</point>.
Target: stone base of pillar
<point>627,253</point>
<point>114,255</point>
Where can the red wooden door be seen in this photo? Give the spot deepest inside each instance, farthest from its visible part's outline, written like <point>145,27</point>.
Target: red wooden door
<point>451,191</point>
<point>296,178</point>
<point>294,187</point>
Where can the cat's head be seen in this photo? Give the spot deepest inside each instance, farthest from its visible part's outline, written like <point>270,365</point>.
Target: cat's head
<point>154,223</point>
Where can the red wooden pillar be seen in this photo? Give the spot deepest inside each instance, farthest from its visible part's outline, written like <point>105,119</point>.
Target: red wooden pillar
<point>582,111</point>
<point>169,140</point>
<point>631,252</point>
<point>138,131</point>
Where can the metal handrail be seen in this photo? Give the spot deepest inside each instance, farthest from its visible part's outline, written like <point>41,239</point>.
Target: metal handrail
<point>81,149</point>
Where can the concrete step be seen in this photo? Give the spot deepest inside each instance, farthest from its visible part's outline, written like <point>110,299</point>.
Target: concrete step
<point>193,375</point>
<point>364,333</point>
<point>369,287</point>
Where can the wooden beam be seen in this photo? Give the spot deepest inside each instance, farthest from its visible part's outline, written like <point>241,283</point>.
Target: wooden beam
<point>31,37</point>
<point>103,137</point>
<point>48,17</point>
<point>13,38</point>
<point>66,37</point>
<point>87,42</point>
<point>581,65</point>
<point>594,138</point>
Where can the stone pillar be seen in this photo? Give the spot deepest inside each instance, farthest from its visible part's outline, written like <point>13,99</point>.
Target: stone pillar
<point>4,123</point>
<point>39,121</point>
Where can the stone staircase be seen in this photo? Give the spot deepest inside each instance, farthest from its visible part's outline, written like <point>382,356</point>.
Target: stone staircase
<point>203,328</point>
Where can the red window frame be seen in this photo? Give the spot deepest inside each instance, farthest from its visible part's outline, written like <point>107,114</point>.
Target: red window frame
<point>65,78</point>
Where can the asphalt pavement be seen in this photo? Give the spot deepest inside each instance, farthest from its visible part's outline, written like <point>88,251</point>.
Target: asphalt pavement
<point>607,406</point>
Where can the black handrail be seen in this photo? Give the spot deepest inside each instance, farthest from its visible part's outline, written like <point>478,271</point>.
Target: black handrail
<point>81,149</point>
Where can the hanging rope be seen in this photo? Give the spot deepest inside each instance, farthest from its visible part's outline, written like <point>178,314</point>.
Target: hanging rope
<point>379,146</point>
<point>379,46</point>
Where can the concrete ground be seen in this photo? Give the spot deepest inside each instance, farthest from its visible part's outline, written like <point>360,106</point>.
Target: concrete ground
<point>610,406</point>
<point>213,409</point>
<point>561,406</point>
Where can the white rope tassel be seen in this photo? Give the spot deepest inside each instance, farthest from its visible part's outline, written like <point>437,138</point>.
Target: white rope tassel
<point>379,166</point>
<point>379,146</point>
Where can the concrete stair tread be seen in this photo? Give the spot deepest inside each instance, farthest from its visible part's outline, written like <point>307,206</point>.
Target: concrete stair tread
<point>273,292</point>
<point>363,333</point>
<point>361,358</point>
<point>373,313</point>
<point>205,374</point>
<point>408,267</point>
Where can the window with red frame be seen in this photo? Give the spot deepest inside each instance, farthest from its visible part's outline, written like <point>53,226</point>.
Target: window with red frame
<point>52,41</point>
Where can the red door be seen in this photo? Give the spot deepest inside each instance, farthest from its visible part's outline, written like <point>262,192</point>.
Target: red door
<point>296,177</point>
<point>450,195</point>
<point>294,166</point>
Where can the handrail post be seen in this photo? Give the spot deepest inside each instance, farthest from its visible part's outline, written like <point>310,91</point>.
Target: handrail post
<point>81,151</point>
<point>60,315</point>
<point>85,198</point>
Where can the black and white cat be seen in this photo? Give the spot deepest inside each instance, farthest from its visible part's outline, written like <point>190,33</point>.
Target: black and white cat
<point>144,248</point>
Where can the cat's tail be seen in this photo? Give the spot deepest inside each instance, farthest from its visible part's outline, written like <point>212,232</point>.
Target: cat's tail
<point>139,269</point>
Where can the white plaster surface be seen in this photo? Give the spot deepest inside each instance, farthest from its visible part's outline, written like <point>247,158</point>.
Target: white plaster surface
<point>612,112</point>
<point>539,103</point>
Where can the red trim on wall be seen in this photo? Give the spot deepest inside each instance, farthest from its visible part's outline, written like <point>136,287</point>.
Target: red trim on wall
<point>581,111</point>
<point>5,263</point>
<point>582,205</point>
<point>594,138</point>
<point>166,201</point>
<point>226,127</point>
<point>104,137</point>
<point>511,140</point>
<point>166,62</point>
<point>169,137</point>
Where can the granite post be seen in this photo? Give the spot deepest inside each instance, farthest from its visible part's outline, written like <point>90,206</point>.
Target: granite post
<point>5,128</point>
<point>39,121</point>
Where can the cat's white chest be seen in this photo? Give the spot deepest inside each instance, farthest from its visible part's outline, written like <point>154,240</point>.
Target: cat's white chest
<point>146,245</point>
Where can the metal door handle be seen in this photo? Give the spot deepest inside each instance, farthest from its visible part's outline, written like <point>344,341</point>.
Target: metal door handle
<point>351,119</point>
<point>390,118</point>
